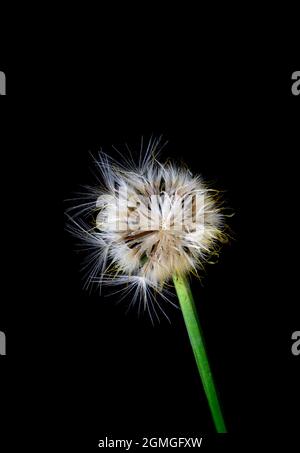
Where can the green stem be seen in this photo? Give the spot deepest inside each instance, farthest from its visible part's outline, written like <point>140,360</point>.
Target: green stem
<point>196,338</point>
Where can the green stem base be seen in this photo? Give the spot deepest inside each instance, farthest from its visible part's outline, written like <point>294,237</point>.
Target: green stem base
<point>196,338</point>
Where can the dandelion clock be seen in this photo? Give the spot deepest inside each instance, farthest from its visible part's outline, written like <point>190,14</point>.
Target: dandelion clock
<point>155,225</point>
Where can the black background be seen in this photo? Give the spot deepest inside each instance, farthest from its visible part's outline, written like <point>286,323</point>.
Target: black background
<point>76,362</point>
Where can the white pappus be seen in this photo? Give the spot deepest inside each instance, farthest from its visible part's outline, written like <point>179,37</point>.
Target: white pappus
<point>145,222</point>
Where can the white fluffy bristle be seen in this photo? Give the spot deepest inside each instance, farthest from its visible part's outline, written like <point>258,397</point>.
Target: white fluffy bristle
<point>152,221</point>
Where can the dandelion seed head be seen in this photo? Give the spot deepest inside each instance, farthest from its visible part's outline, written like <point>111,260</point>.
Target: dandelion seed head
<point>153,220</point>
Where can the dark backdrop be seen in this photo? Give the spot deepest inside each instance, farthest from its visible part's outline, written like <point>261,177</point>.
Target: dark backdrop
<point>96,370</point>
<point>236,127</point>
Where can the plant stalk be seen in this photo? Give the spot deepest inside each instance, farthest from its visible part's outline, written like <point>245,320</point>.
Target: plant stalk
<point>197,341</point>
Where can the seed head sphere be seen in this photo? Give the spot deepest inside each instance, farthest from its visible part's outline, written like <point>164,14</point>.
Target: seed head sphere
<point>152,220</point>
